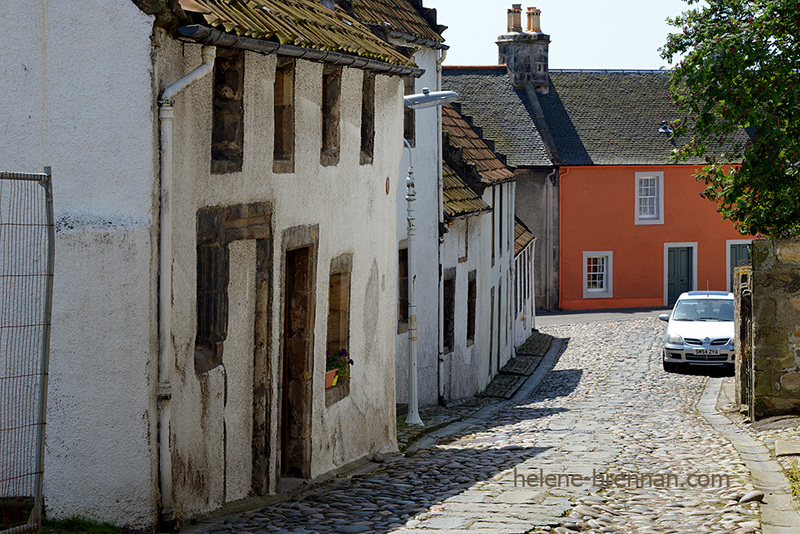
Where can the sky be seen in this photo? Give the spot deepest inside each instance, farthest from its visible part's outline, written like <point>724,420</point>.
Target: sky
<point>584,34</point>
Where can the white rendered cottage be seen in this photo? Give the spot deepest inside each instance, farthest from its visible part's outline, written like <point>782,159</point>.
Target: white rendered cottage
<point>478,262</point>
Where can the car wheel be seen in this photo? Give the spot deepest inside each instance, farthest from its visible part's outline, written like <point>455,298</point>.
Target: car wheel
<point>671,367</point>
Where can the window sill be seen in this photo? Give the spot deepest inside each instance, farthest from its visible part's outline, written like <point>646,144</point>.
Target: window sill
<point>283,166</point>
<point>338,392</point>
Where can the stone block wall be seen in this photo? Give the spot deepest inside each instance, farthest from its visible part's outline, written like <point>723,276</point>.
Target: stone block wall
<point>776,328</point>
<point>743,336</point>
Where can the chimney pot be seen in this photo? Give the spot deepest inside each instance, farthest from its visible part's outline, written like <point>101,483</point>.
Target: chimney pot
<point>534,20</point>
<point>515,18</point>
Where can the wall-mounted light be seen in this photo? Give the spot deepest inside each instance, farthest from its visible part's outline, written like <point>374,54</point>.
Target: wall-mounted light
<point>426,99</point>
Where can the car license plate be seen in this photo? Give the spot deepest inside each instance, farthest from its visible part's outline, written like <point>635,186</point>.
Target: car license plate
<point>706,352</point>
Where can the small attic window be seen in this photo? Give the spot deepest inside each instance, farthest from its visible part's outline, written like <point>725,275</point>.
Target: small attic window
<point>227,134</point>
<point>331,96</point>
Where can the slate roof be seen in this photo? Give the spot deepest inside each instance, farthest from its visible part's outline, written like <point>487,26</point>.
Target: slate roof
<point>303,23</point>
<point>458,199</point>
<point>610,117</point>
<point>504,113</point>
<point>474,150</point>
<point>522,236</point>
<point>401,15</point>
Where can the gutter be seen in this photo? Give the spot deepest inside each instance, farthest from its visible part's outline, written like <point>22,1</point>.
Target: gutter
<point>417,40</point>
<point>166,356</point>
<point>211,36</point>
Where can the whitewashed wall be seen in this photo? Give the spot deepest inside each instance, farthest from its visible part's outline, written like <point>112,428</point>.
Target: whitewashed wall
<point>499,276</point>
<point>466,368</point>
<point>350,204</point>
<point>525,306</point>
<point>77,95</point>
<point>427,166</point>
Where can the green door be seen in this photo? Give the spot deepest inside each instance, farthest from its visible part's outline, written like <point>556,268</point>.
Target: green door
<point>740,255</point>
<point>679,272</point>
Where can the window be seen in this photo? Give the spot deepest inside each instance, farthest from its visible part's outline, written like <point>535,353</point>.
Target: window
<point>449,309</point>
<point>227,133</point>
<point>339,320</point>
<point>339,304</point>
<point>649,198</point>
<point>331,93</point>
<point>402,291</point>
<point>283,155</point>
<point>409,119</point>
<point>738,254</point>
<point>472,301</point>
<point>597,274</point>
<point>367,118</point>
<point>465,256</point>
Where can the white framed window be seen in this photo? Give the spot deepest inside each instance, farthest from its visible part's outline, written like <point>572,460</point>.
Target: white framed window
<point>598,270</point>
<point>649,198</point>
<point>737,253</point>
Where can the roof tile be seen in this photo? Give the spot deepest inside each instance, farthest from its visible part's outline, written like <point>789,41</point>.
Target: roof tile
<point>399,14</point>
<point>611,117</point>
<point>304,23</point>
<point>522,236</point>
<point>458,198</point>
<point>503,112</point>
<point>474,149</point>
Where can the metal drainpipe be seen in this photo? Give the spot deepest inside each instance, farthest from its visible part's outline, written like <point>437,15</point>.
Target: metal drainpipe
<point>166,114</point>
<point>440,219</point>
<point>548,239</point>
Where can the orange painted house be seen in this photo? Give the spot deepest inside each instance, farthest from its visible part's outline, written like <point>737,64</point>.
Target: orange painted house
<point>634,231</point>
<point>618,225</point>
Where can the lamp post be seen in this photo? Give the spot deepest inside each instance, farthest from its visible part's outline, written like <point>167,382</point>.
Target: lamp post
<point>426,99</point>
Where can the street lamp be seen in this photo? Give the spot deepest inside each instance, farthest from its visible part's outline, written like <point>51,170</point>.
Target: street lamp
<point>426,99</point>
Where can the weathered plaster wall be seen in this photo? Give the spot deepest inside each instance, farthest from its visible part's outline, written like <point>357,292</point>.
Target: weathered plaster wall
<point>540,216</point>
<point>776,327</point>
<point>524,306</point>
<point>465,369</point>
<point>427,166</point>
<point>349,204</point>
<point>82,102</point>
<point>497,328</point>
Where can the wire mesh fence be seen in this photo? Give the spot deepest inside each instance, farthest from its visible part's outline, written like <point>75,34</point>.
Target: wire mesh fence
<point>26,277</point>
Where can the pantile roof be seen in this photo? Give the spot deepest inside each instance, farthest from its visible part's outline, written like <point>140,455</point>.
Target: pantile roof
<point>458,198</point>
<point>401,16</point>
<point>522,236</point>
<point>302,23</point>
<point>504,113</point>
<point>474,150</point>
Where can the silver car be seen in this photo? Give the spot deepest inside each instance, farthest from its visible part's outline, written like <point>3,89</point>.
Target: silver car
<point>699,330</point>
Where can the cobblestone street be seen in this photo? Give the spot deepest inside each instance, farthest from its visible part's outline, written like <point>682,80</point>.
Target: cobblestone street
<point>606,411</point>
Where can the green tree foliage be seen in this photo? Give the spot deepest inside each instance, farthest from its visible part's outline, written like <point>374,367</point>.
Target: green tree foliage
<point>740,70</point>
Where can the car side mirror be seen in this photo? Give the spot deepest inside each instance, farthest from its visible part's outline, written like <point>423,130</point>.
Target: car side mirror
<point>664,317</point>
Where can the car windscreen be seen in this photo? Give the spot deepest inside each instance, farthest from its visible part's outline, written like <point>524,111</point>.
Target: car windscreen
<point>703,310</point>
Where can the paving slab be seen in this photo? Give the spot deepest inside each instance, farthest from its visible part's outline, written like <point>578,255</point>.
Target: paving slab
<point>785,447</point>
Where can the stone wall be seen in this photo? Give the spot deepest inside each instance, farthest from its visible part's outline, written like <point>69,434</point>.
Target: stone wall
<point>776,328</point>
<point>743,336</point>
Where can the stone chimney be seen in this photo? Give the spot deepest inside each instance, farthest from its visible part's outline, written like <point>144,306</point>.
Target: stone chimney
<point>515,18</point>
<point>525,52</point>
<point>330,4</point>
<point>534,20</point>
